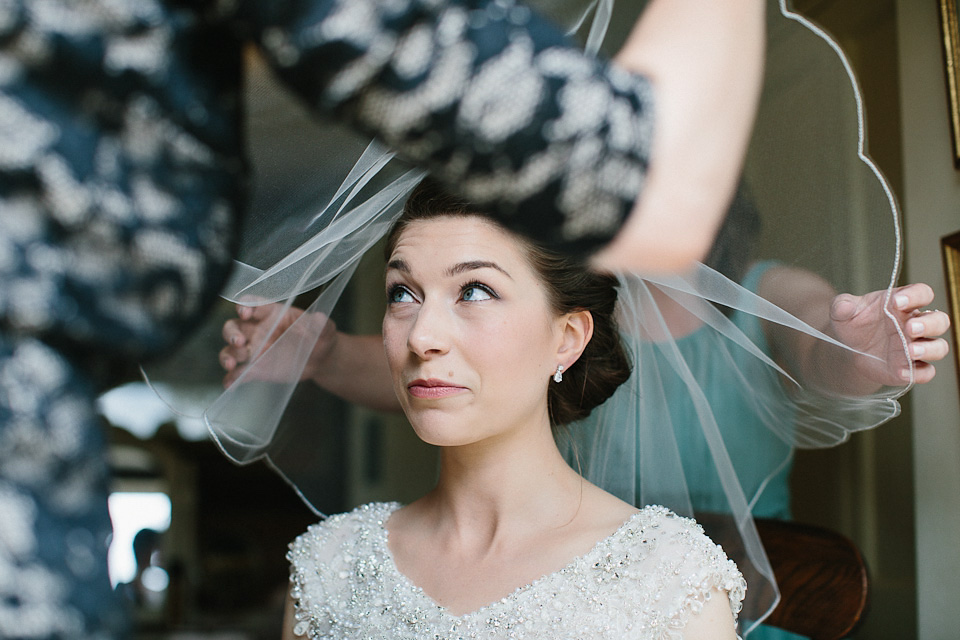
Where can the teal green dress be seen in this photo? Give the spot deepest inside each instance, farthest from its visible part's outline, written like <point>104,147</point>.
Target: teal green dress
<point>755,451</point>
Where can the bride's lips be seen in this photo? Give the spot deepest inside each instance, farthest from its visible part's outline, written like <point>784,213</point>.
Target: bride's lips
<point>432,388</point>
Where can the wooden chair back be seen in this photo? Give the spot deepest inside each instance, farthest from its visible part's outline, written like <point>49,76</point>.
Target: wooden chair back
<point>822,578</point>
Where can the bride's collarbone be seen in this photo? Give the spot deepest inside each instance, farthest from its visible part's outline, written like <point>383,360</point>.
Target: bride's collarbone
<point>463,580</point>
<point>463,583</point>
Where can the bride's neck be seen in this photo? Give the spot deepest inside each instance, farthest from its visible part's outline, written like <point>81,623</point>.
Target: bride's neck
<point>497,485</point>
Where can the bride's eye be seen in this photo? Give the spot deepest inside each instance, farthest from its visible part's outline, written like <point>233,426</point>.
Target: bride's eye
<point>399,293</point>
<point>475,292</point>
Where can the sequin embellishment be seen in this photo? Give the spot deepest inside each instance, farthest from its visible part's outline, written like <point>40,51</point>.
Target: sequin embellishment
<point>643,582</point>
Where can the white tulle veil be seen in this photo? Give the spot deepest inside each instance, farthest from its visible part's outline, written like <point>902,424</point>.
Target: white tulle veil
<point>810,200</point>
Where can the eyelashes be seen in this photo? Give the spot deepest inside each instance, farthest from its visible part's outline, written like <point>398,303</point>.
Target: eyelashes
<point>477,286</point>
<point>472,291</point>
<point>396,291</point>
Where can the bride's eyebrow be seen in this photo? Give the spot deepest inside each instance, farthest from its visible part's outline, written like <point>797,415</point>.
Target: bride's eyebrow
<point>399,264</point>
<point>472,265</point>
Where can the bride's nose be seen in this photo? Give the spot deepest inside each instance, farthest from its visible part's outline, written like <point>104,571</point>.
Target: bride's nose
<point>430,332</point>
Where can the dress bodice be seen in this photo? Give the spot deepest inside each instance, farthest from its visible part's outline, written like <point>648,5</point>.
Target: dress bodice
<point>642,582</point>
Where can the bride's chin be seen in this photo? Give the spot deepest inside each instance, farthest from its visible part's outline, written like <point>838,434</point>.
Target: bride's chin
<point>443,433</point>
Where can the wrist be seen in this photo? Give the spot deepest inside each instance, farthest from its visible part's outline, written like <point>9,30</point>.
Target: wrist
<point>323,366</point>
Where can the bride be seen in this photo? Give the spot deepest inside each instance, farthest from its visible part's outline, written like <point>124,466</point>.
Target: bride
<point>493,344</point>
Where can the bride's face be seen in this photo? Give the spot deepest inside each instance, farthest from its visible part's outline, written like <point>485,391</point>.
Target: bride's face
<point>469,335</point>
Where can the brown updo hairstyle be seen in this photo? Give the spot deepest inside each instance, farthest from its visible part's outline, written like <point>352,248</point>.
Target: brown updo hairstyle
<point>571,286</point>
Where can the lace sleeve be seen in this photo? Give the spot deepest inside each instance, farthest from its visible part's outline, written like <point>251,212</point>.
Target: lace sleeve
<point>315,567</point>
<point>488,96</point>
<point>693,567</point>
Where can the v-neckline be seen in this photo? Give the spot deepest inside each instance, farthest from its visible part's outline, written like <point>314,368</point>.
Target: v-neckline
<point>381,540</point>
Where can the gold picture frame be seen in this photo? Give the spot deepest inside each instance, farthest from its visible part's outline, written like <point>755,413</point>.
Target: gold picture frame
<point>951,55</point>
<point>950,246</point>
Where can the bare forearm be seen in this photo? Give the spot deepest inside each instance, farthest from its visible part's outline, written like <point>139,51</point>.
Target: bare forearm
<point>815,363</point>
<point>828,368</point>
<point>356,370</point>
<point>705,62</point>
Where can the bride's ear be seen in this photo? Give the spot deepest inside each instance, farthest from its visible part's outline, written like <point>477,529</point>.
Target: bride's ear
<point>577,329</point>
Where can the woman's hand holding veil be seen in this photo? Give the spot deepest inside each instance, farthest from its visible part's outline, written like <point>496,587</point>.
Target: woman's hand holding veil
<point>854,322</point>
<point>249,332</point>
<point>352,367</point>
<point>860,323</point>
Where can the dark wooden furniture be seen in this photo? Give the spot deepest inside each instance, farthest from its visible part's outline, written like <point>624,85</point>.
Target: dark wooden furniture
<point>822,578</point>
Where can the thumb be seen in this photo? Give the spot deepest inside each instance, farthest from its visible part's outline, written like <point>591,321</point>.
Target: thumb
<point>844,307</point>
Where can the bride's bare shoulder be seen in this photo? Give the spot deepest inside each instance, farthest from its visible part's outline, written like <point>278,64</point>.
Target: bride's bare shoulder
<point>604,510</point>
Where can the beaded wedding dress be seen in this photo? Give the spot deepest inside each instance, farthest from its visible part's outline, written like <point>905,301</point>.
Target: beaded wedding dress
<point>643,582</point>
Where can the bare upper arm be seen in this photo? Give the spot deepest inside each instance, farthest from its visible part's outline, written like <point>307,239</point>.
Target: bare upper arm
<point>288,619</point>
<point>714,622</point>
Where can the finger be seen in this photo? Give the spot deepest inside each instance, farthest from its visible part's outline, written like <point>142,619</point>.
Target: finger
<point>233,334</point>
<point>259,312</point>
<point>929,324</point>
<point>937,323</point>
<point>263,311</point>
<point>844,307</point>
<point>240,355</point>
<point>912,296</point>
<point>923,372</point>
<point>231,377</point>
<point>231,356</point>
<point>929,350</point>
<point>227,361</point>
